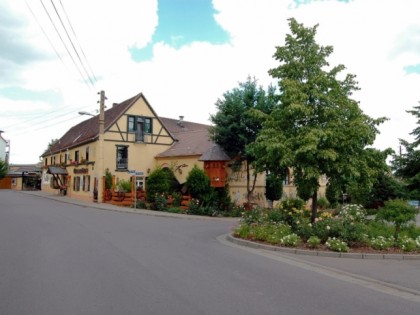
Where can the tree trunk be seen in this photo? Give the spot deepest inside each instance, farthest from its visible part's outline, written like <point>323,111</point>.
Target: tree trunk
<point>250,189</point>
<point>314,207</point>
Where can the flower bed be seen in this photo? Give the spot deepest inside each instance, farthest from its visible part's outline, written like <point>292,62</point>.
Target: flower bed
<point>341,230</point>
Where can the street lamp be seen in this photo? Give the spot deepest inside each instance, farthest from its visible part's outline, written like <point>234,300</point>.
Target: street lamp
<point>86,113</point>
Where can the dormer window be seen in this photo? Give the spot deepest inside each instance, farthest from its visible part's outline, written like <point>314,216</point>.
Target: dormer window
<point>140,126</point>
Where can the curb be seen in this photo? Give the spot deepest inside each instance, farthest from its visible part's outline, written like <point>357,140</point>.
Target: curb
<point>288,250</point>
<point>112,208</point>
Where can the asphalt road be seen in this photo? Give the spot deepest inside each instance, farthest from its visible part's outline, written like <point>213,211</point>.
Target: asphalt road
<point>59,258</point>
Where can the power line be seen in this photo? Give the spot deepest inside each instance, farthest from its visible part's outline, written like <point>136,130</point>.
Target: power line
<point>43,31</point>
<point>71,42</point>
<point>63,42</point>
<point>80,46</point>
<point>44,116</point>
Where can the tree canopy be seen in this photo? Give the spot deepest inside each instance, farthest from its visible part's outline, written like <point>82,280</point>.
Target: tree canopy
<point>316,128</point>
<point>234,127</point>
<point>406,163</point>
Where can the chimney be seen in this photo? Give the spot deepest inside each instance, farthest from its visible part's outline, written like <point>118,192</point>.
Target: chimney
<point>180,121</point>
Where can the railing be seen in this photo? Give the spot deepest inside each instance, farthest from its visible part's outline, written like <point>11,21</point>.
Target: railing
<point>122,164</point>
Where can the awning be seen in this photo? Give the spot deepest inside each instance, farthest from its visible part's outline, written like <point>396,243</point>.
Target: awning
<point>54,170</point>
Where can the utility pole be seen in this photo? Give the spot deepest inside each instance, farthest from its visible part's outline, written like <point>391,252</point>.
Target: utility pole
<point>100,152</point>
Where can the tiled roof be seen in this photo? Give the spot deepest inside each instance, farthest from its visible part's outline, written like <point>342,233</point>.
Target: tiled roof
<point>215,153</point>
<point>189,143</point>
<point>191,138</point>
<point>88,130</point>
<point>176,126</point>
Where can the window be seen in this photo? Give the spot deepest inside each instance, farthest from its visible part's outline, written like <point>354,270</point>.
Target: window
<point>76,156</point>
<point>87,154</point>
<point>86,182</point>
<point>76,183</point>
<point>122,157</point>
<point>131,123</point>
<point>140,126</point>
<point>147,125</point>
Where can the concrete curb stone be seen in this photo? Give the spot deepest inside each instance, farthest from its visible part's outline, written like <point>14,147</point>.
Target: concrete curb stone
<point>288,250</point>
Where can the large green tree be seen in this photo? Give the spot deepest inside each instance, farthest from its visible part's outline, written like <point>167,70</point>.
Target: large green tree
<point>234,127</point>
<point>317,128</point>
<point>407,162</point>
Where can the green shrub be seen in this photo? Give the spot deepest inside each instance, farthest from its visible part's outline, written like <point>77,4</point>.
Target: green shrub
<point>407,244</point>
<point>161,202</point>
<point>291,240</point>
<point>313,241</point>
<point>124,185</point>
<point>157,183</point>
<point>255,215</point>
<point>108,179</point>
<point>323,203</point>
<point>355,232</point>
<point>242,231</point>
<point>328,228</point>
<point>381,242</point>
<point>398,212</point>
<point>177,199</point>
<point>336,245</point>
<point>376,229</point>
<point>273,187</point>
<point>141,204</point>
<point>174,210</point>
<point>292,203</point>
<point>304,229</point>
<point>352,213</point>
<point>198,183</point>
<point>276,215</point>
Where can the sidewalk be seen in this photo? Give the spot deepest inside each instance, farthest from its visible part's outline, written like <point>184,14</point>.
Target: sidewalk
<point>110,207</point>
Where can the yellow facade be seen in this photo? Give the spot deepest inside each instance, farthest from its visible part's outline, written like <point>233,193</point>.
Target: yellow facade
<point>126,152</point>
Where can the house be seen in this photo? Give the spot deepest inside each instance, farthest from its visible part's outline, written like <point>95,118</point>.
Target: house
<point>134,141</point>
<point>24,177</point>
<point>4,148</point>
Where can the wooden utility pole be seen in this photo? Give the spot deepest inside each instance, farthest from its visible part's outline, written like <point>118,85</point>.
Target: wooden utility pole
<point>100,152</point>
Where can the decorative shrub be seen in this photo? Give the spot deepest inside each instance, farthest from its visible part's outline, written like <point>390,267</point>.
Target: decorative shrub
<point>157,183</point>
<point>355,232</point>
<point>398,212</point>
<point>291,240</point>
<point>327,228</point>
<point>177,199</point>
<point>194,207</point>
<point>124,185</point>
<point>381,242</point>
<point>141,204</point>
<point>242,231</point>
<point>108,179</point>
<point>290,211</point>
<point>313,241</point>
<point>323,203</point>
<point>353,213</point>
<point>304,229</point>
<point>336,245</point>
<point>255,215</point>
<point>407,244</point>
<point>198,183</point>
<point>161,202</point>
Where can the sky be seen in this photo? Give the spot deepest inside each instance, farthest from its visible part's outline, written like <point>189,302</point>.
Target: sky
<point>184,54</point>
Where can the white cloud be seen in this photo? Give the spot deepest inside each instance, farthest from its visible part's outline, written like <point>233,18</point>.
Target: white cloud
<point>375,39</point>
